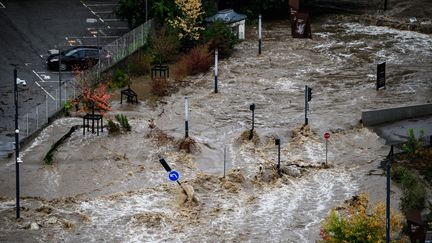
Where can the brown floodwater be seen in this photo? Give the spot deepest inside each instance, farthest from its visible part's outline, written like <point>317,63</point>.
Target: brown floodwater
<point>117,191</point>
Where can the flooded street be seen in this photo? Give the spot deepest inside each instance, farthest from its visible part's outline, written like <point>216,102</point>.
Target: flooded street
<point>113,188</point>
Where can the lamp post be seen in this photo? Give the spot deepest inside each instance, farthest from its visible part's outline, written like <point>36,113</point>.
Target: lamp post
<point>17,158</point>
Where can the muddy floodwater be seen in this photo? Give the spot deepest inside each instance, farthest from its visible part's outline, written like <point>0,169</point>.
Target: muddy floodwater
<point>113,188</point>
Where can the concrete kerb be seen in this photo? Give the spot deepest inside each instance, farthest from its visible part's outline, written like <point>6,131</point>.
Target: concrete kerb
<point>376,117</point>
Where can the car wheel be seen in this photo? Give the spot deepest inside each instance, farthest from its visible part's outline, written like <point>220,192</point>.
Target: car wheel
<point>63,67</point>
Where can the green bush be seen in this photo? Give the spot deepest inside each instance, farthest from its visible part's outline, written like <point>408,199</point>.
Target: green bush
<point>413,192</point>
<point>413,198</point>
<point>120,80</point>
<point>164,46</point>
<point>67,106</point>
<point>220,36</point>
<point>413,145</point>
<point>124,122</point>
<point>139,64</point>
<point>113,128</point>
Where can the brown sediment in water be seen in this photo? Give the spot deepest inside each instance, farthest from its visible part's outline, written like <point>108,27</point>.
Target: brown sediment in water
<point>245,137</point>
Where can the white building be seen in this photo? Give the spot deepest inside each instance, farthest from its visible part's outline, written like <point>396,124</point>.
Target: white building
<point>232,19</point>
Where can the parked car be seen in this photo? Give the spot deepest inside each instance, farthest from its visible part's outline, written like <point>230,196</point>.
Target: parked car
<point>78,57</point>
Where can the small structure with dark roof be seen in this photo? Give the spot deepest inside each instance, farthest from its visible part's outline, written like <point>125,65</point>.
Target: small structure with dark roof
<point>232,19</point>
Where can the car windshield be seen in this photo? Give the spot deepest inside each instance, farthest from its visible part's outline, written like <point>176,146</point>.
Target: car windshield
<point>70,53</point>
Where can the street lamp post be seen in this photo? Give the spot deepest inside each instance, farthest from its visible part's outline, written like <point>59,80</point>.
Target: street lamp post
<point>17,159</point>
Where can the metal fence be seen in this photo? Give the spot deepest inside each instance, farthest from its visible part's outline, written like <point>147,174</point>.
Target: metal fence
<point>30,122</point>
<point>119,49</point>
<point>110,55</point>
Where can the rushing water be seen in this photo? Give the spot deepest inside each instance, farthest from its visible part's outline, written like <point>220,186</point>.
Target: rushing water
<point>339,64</point>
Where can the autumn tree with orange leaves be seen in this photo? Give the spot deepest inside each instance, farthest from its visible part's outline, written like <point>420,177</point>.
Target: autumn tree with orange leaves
<point>93,97</point>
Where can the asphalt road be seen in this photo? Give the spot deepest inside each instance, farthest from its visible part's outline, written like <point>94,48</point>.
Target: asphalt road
<point>29,28</point>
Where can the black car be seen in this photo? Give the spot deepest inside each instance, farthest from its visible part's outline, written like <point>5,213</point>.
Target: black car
<point>76,58</point>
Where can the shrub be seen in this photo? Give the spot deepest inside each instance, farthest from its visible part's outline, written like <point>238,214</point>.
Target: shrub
<point>179,71</point>
<point>124,122</point>
<point>198,60</point>
<point>113,128</point>
<point>356,225</point>
<point>67,106</point>
<point>159,87</point>
<point>164,46</point>
<point>413,192</point>
<point>139,64</point>
<point>218,35</point>
<point>120,80</point>
<point>413,145</point>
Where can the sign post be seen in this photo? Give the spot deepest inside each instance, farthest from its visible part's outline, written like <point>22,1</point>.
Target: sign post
<point>216,71</point>
<point>186,117</point>
<point>308,97</point>
<point>259,34</point>
<point>326,137</point>
<point>252,108</point>
<point>277,142</point>
<point>381,75</point>
<point>172,174</point>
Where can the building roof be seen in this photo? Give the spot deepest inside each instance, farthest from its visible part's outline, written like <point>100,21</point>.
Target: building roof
<point>226,16</point>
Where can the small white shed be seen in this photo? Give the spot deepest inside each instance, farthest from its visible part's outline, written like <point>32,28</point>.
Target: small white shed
<point>232,19</point>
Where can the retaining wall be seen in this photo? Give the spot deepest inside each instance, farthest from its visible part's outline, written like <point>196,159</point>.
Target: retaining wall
<point>375,117</point>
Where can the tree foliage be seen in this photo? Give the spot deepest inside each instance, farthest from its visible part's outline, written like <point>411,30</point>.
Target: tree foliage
<point>187,23</point>
<point>356,224</point>
<point>131,10</point>
<point>94,99</point>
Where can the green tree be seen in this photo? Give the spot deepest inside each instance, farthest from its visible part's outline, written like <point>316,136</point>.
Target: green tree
<point>131,10</point>
<point>355,224</point>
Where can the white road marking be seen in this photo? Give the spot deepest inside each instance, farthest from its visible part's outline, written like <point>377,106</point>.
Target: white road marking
<point>44,76</point>
<point>103,12</point>
<point>52,97</point>
<point>92,37</point>
<point>2,5</point>
<point>99,4</point>
<point>51,72</point>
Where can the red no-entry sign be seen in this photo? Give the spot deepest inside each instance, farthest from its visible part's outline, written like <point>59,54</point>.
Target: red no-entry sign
<point>326,135</point>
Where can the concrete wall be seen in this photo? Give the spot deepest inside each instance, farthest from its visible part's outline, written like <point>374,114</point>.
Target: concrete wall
<point>375,117</point>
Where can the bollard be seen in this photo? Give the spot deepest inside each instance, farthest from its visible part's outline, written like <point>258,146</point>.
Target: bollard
<point>259,35</point>
<point>186,117</point>
<point>252,108</point>
<point>224,160</point>
<point>277,142</point>
<point>216,71</point>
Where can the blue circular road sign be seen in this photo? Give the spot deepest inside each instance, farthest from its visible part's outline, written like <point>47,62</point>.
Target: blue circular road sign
<point>174,175</point>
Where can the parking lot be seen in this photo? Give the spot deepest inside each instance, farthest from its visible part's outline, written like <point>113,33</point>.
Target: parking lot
<point>30,29</point>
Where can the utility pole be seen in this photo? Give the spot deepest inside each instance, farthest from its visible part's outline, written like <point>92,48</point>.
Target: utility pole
<point>385,5</point>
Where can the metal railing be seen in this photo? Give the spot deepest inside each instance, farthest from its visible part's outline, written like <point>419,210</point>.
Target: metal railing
<point>111,54</point>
